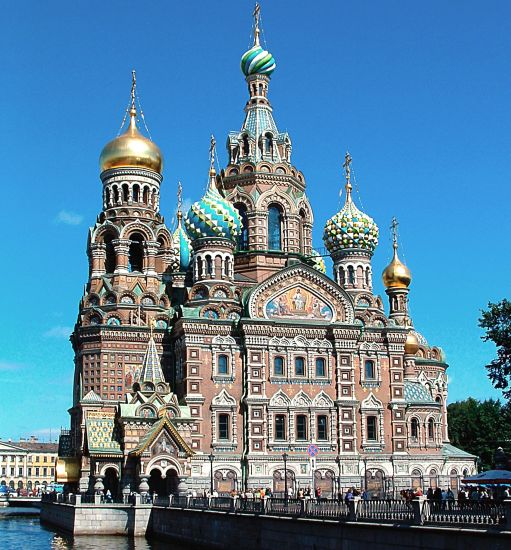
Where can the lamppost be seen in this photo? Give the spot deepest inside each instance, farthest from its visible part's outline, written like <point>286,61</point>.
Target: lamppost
<point>211,458</point>
<point>365,473</point>
<point>338,461</point>
<point>284,458</point>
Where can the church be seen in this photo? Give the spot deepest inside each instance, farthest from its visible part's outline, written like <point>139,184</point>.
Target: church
<point>220,355</point>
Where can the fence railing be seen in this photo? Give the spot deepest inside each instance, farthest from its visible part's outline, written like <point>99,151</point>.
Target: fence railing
<point>418,511</point>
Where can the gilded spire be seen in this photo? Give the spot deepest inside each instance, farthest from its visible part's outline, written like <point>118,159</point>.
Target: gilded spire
<point>256,14</point>
<point>179,203</point>
<point>212,171</point>
<point>133,101</point>
<point>347,171</point>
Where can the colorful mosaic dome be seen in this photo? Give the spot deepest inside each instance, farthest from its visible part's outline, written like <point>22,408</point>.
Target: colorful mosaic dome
<point>350,228</point>
<point>257,61</point>
<point>318,262</point>
<point>181,247</point>
<point>213,216</point>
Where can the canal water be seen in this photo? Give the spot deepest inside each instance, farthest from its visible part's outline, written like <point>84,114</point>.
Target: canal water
<point>20,529</point>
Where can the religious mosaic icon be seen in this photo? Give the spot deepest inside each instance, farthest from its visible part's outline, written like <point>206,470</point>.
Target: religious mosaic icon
<point>298,303</point>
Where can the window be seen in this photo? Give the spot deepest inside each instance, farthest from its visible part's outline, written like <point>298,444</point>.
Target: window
<point>20,472</point>
<point>369,370</point>
<point>29,473</point>
<point>37,472</point>
<point>52,472</point>
<point>45,472</point>
<point>274,228</point>
<point>322,427</point>
<point>278,366</point>
<point>351,275</point>
<point>431,429</point>
<point>136,253</point>
<point>299,366</point>
<point>371,428</point>
<point>223,365</point>
<point>268,144</point>
<point>415,429</point>
<point>110,259</point>
<point>243,236</point>
<point>320,367</point>
<point>301,427</point>
<point>280,427</point>
<point>246,146</point>
<point>223,427</point>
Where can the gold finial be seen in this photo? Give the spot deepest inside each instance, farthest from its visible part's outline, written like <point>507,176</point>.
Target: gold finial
<point>347,170</point>
<point>256,15</point>
<point>133,90</point>
<point>393,228</point>
<point>179,202</point>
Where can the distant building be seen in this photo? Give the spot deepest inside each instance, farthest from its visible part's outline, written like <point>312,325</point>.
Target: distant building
<point>27,463</point>
<point>212,354</point>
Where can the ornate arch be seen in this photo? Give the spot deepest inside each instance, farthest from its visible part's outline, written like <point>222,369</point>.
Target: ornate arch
<point>98,234</point>
<point>280,400</point>
<point>112,465</point>
<point>276,196</point>
<point>137,227</point>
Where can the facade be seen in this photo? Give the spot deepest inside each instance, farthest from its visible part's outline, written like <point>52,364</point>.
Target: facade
<point>27,464</point>
<point>210,354</point>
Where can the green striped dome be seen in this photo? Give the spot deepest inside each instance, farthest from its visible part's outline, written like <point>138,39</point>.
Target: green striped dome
<point>257,61</point>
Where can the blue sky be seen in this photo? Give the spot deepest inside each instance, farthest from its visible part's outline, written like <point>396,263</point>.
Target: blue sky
<point>419,92</point>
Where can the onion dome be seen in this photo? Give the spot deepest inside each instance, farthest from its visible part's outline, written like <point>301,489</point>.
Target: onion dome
<point>411,344</point>
<point>132,150</point>
<point>350,228</point>
<point>213,216</point>
<point>396,274</point>
<point>318,262</point>
<point>257,61</point>
<point>181,248</point>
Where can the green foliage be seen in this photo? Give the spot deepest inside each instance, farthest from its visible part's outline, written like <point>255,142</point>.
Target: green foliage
<point>497,323</point>
<point>480,427</point>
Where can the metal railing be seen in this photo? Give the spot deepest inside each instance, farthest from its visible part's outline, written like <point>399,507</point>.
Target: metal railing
<point>465,512</point>
<point>284,507</point>
<point>385,510</point>
<point>328,509</point>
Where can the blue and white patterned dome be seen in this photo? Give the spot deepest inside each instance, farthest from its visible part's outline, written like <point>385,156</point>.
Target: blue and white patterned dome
<point>213,216</point>
<point>257,61</point>
<point>181,248</point>
<point>319,263</point>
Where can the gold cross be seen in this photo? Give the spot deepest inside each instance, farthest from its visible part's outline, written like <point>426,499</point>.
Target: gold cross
<point>393,228</point>
<point>346,166</point>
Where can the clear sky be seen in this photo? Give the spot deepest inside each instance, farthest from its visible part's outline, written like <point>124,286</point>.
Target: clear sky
<point>418,91</point>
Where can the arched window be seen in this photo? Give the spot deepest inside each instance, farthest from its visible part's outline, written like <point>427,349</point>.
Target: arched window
<point>322,427</point>
<point>223,364</point>
<point>110,258</point>
<point>351,275</point>
<point>320,367</point>
<point>280,427</point>
<point>299,366</point>
<point>278,366</point>
<point>369,370</point>
<point>268,144</point>
<point>246,146</point>
<point>243,236</point>
<point>209,265</point>
<point>302,231</point>
<point>107,196</point>
<point>274,227</point>
<point>431,429</point>
<point>301,427</point>
<point>372,432</point>
<point>145,196</point>
<point>414,429</point>
<point>367,276</point>
<point>136,253</point>
<point>224,427</point>
<point>136,192</point>
<point>125,192</point>
<point>433,478</point>
<point>116,195</point>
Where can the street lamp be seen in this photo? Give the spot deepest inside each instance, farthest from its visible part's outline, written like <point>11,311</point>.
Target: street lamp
<point>365,473</point>
<point>284,457</point>
<point>338,461</point>
<point>211,458</point>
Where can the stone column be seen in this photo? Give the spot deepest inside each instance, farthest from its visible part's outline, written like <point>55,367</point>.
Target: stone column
<point>98,256</point>
<point>122,249</point>
<point>151,249</point>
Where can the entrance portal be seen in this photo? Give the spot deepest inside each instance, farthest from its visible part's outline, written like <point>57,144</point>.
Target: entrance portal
<point>163,486</point>
<point>111,482</point>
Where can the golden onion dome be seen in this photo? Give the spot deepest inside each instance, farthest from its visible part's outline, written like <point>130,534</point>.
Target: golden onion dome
<point>396,274</point>
<point>411,344</point>
<point>131,150</point>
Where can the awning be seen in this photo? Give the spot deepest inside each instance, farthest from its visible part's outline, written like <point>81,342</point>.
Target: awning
<point>68,470</point>
<point>490,477</point>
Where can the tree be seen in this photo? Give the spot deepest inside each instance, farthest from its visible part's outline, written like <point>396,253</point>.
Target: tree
<point>480,427</point>
<point>497,323</point>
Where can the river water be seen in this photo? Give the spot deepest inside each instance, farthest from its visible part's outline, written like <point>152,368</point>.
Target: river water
<point>20,529</point>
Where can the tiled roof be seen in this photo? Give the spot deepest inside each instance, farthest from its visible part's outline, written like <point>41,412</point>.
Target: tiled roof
<point>415,392</point>
<point>37,446</point>
<point>452,451</point>
<point>92,397</point>
<point>151,369</point>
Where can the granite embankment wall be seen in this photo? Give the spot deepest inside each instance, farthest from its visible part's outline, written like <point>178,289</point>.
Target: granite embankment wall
<point>211,529</point>
<point>98,519</point>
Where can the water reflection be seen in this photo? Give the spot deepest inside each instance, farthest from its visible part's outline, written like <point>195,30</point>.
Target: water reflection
<point>18,530</point>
